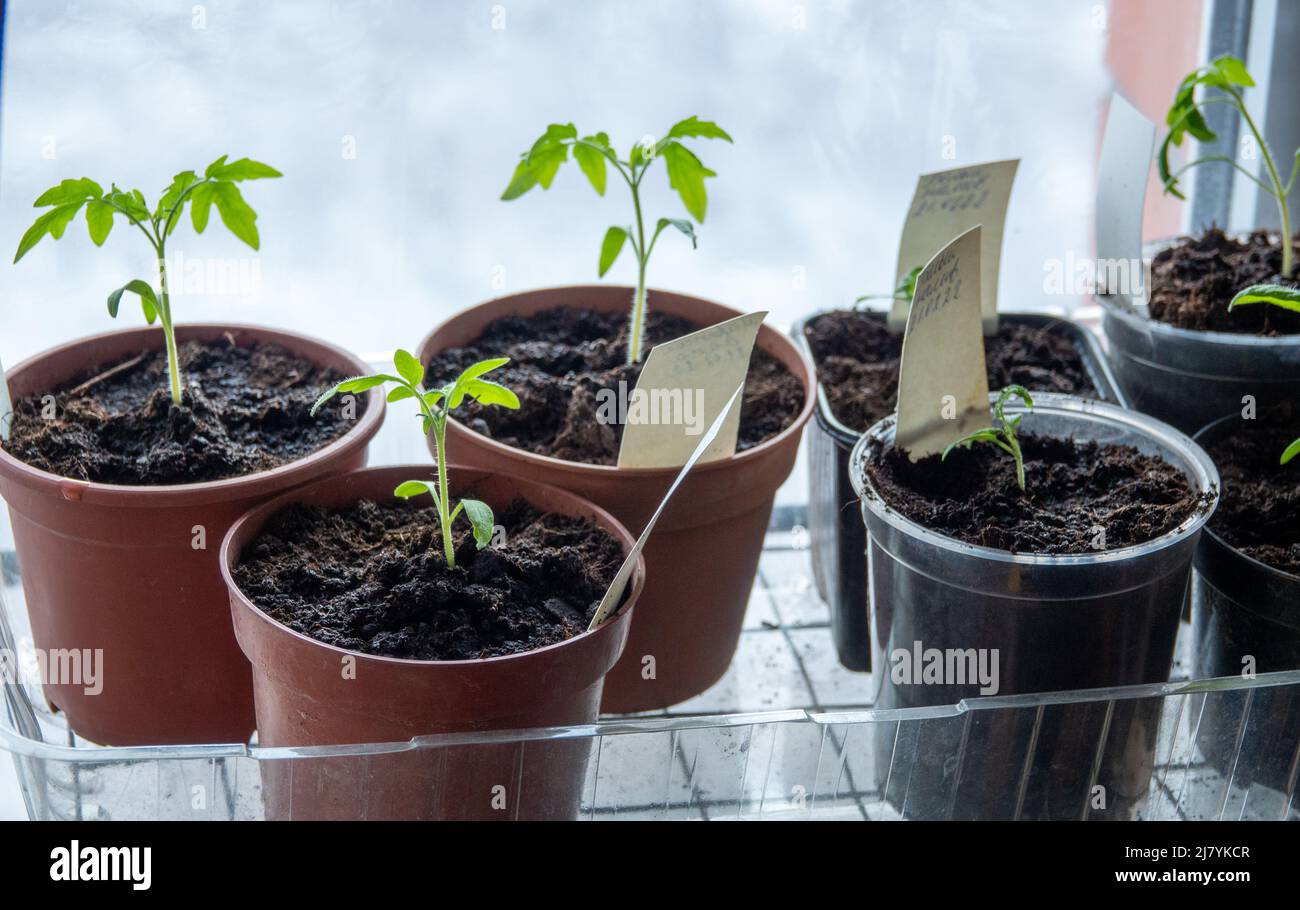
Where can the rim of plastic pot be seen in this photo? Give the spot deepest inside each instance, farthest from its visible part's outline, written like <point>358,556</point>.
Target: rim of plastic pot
<point>1197,462</point>
<point>1115,306</point>
<point>1256,565</point>
<point>807,375</point>
<point>163,495</point>
<point>229,558</point>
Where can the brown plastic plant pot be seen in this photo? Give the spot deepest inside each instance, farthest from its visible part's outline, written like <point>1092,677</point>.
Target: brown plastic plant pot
<point>305,697</point>
<point>114,568</point>
<point>704,552</point>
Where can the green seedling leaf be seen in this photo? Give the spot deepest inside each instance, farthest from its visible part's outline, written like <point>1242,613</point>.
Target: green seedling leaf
<point>148,301</point>
<point>352,385</point>
<point>54,222</point>
<point>400,393</point>
<point>409,367</point>
<point>201,207</point>
<point>99,219</point>
<point>1290,452</point>
<point>682,225</point>
<point>481,518</point>
<point>695,127</point>
<point>235,213</point>
<point>610,247</point>
<point>457,390</point>
<point>409,488</point>
<point>69,191</point>
<point>486,392</point>
<point>905,290</point>
<point>1280,295</point>
<point>243,169</point>
<point>592,163</point>
<point>686,175</point>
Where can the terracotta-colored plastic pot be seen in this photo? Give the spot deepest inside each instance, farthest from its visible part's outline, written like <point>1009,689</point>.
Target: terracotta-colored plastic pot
<point>114,568</point>
<point>704,552</point>
<point>305,697</point>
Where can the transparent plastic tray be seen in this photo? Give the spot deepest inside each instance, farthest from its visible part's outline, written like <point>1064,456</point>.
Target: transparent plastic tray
<point>815,755</point>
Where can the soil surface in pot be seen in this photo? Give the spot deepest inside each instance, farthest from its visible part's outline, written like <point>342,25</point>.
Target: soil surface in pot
<point>857,360</point>
<point>245,409</point>
<point>1193,281</point>
<point>1259,512</point>
<point>561,359</point>
<point>1072,490</point>
<point>372,578</point>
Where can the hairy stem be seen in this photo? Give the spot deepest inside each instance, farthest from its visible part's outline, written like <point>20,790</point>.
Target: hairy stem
<point>169,331</point>
<point>1279,190</point>
<point>444,517</point>
<point>638,302</point>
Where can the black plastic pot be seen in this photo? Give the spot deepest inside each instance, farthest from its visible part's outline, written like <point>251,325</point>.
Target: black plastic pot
<point>1188,378</point>
<point>1055,623</point>
<point>838,538</point>
<point>1244,608</point>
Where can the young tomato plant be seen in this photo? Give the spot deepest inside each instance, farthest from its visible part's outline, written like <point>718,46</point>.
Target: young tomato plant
<point>1186,115</point>
<point>216,187</point>
<point>435,407</point>
<point>1004,434</point>
<point>593,153</point>
<point>906,289</point>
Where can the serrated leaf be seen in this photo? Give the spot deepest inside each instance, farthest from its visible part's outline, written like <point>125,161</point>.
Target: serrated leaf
<point>54,222</point>
<point>129,203</point>
<point>408,367</point>
<point>201,207</point>
<point>695,127</point>
<point>556,133</point>
<point>215,165</point>
<point>236,214</point>
<point>610,247</point>
<point>592,163</point>
<point>481,519</point>
<point>686,176</point>
<point>243,169</point>
<point>523,180</point>
<point>1280,295</point>
<point>99,219</point>
<point>69,191</point>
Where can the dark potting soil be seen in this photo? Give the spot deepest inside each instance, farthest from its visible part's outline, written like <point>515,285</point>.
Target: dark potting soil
<point>560,359</point>
<point>858,358</point>
<point>1073,489</point>
<point>372,578</point>
<point>1193,281</point>
<point>1259,512</point>
<point>244,409</point>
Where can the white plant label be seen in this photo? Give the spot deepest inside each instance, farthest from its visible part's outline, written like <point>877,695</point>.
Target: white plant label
<point>6,405</point>
<point>945,205</point>
<point>1121,193</point>
<point>943,386</point>
<point>614,595</point>
<point>683,386</point>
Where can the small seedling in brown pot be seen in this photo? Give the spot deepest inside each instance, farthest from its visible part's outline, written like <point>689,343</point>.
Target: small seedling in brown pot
<point>686,174</point>
<point>435,407</point>
<point>216,187</point>
<point>1004,434</point>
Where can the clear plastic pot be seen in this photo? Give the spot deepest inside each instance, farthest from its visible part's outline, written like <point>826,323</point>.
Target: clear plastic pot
<point>1051,622</point>
<point>1246,616</point>
<point>1189,378</point>
<point>839,541</point>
